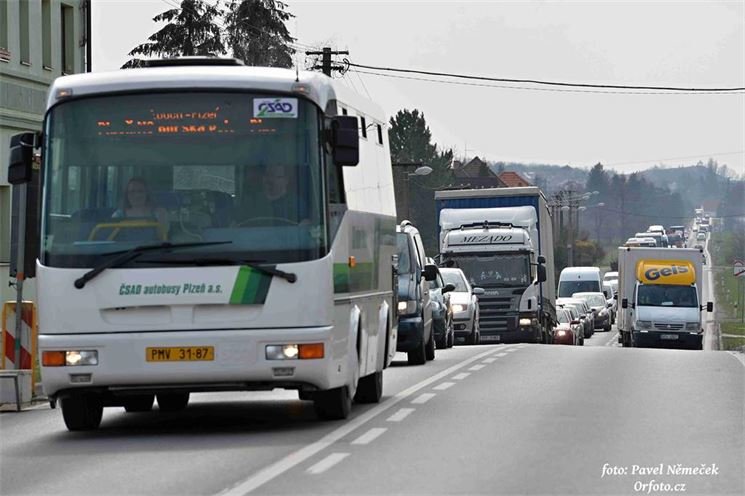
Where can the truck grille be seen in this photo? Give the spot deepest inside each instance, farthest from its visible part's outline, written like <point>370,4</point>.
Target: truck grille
<point>668,326</point>
<point>497,313</point>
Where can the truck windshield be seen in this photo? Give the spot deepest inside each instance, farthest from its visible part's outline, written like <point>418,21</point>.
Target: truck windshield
<point>508,270</point>
<point>654,295</point>
<point>126,170</point>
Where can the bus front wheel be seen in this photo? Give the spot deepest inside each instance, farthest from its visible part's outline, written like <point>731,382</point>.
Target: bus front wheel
<point>333,404</point>
<point>82,412</point>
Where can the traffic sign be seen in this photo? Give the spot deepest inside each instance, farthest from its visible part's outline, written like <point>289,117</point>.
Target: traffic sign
<point>739,268</point>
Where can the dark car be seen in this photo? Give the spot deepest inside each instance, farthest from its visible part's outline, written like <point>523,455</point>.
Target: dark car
<point>568,328</point>
<point>442,311</point>
<point>415,329</point>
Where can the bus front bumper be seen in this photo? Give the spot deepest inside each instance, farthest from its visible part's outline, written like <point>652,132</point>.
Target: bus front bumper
<point>131,361</point>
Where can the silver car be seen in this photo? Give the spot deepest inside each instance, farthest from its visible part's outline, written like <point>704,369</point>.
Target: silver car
<point>465,305</point>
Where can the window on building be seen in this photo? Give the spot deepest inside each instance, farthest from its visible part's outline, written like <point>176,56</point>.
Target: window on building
<point>363,127</point>
<point>68,39</point>
<point>23,30</point>
<point>4,54</point>
<point>46,34</point>
<point>4,224</point>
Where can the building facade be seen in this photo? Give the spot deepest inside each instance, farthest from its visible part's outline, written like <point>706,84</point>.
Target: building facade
<point>40,40</point>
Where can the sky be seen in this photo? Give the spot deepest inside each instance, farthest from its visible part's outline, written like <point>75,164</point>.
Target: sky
<point>665,43</point>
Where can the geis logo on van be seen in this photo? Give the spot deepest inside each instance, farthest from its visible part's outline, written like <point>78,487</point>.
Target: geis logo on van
<point>666,272</point>
<point>275,108</point>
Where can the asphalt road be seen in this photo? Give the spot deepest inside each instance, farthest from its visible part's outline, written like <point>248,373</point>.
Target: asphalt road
<point>497,419</point>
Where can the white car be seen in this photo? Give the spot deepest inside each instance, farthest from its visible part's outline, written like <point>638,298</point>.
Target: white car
<point>465,305</point>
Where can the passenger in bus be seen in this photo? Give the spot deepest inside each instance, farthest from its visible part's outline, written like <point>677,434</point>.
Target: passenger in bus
<point>137,204</point>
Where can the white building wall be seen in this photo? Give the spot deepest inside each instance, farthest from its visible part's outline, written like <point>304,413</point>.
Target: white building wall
<point>23,89</point>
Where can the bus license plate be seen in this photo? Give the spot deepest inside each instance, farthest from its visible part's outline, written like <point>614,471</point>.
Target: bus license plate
<point>181,354</point>
<point>669,337</point>
<point>491,338</point>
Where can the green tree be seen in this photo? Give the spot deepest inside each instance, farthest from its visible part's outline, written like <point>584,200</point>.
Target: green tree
<point>256,32</point>
<point>411,143</point>
<point>191,30</point>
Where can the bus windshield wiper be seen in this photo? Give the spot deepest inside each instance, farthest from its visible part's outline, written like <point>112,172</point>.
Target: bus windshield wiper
<point>129,255</point>
<point>254,264</point>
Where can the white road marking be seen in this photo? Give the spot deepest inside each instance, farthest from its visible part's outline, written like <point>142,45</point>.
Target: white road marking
<point>401,414</point>
<point>295,458</point>
<point>489,360</point>
<point>461,376</point>
<point>423,398</point>
<point>501,354</point>
<point>443,386</point>
<point>739,356</point>
<point>477,367</point>
<point>370,435</point>
<point>613,341</point>
<point>327,463</point>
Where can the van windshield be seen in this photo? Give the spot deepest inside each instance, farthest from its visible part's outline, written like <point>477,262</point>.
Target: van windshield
<point>568,288</point>
<point>654,295</point>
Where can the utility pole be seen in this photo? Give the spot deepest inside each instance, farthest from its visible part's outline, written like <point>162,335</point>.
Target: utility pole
<point>326,65</point>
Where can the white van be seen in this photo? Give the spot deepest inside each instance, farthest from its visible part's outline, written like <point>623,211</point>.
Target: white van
<point>579,280</point>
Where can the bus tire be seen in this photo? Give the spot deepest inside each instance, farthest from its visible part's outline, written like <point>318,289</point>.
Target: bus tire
<point>82,412</point>
<point>172,402</point>
<point>333,404</point>
<point>370,388</point>
<point>139,403</point>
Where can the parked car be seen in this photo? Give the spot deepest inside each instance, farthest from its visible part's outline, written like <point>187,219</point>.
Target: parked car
<point>442,311</point>
<point>599,305</point>
<point>415,330</point>
<point>585,313</point>
<point>565,331</point>
<point>465,305</point>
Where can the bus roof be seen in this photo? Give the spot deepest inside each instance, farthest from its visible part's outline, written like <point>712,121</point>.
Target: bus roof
<point>320,89</point>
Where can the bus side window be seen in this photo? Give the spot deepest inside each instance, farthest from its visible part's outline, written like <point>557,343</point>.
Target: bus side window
<point>337,200</point>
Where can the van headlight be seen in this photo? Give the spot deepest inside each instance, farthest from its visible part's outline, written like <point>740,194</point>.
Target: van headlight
<point>692,326</point>
<point>644,325</point>
<point>406,307</point>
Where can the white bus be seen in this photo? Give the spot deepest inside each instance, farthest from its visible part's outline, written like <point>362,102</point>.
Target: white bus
<point>207,226</point>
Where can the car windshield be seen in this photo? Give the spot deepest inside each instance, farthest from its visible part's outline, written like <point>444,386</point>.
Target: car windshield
<point>593,300</point>
<point>404,253</point>
<point>126,170</point>
<point>562,317</point>
<point>667,296</point>
<point>455,277</point>
<point>495,270</point>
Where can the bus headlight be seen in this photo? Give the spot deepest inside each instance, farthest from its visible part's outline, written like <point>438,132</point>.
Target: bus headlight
<point>70,358</point>
<point>294,351</point>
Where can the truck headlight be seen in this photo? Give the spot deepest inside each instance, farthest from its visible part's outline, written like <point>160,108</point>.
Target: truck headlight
<point>406,307</point>
<point>524,322</point>
<point>644,325</point>
<point>692,326</point>
<point>459,307</point>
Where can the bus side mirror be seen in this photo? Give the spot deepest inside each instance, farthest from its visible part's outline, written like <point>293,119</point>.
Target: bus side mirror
<point>625,303</point>
<point>541,273</point>
<point>710,306</point>
<point>20,166</point>
<point>345,140</point>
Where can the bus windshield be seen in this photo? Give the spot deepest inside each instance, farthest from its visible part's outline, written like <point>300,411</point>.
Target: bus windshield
<point>133,169</point>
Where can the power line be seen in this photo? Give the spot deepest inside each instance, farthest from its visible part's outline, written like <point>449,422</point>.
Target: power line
<point>549,83</point>
<point>526,88</point>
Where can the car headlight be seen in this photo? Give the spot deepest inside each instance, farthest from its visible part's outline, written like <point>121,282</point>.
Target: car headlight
<point>561,332</point>
<point>644,325</point>
<point>458,307</point>
<point>603,312</point>
<point>692,326</point>
<point>406,307</point>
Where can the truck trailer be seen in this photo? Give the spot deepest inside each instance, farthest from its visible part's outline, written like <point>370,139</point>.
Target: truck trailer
<point>660,297</point>
<point>502,240</point>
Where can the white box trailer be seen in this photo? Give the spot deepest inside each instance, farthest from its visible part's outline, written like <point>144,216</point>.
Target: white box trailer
<point>659,291</point>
